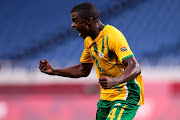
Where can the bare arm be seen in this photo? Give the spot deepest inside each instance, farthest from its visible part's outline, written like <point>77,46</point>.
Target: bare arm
<point>132,71</point>
<point>80,70</point>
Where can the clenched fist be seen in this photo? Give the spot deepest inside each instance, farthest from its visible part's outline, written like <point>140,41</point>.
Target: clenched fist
<point>107,82</point>
<point>45,67</point>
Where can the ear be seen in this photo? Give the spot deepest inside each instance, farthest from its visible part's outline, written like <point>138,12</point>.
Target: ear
<point>89,20</point>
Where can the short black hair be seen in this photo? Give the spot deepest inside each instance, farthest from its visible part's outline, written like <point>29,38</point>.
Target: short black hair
<point>86,10</point>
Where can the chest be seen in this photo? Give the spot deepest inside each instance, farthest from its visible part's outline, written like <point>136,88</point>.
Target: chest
<point>100,50</point>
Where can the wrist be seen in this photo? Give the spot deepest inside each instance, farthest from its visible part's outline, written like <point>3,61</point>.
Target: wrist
<point>56,72</point>
<point>117,80</point>
<point>53,71</point>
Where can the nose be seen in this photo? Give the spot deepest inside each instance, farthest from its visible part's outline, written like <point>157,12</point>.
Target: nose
<point>73,25</point>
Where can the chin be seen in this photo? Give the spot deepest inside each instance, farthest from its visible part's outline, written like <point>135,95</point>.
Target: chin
<point>83,36</point>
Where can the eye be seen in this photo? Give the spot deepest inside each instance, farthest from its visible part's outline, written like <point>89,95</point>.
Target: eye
<point>74,20</point>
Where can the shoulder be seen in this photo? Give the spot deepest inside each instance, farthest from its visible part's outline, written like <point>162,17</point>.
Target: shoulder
<point>111,29</point>
<point>116,38</point>
<point>113,33</point>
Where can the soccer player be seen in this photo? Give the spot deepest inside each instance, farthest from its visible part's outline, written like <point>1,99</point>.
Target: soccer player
<point>117,69</point>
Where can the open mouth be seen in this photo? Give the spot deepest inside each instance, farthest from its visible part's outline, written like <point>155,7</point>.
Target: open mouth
<point>82,34</point>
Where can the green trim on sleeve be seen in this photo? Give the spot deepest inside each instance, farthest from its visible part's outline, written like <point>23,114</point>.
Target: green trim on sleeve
<point>127,57</point>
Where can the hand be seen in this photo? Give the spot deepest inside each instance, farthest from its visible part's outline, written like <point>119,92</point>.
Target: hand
<point>107,82</point>
<point>45,67</point>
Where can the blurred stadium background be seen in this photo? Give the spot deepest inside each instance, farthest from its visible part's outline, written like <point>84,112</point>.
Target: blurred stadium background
<point>41,29</point>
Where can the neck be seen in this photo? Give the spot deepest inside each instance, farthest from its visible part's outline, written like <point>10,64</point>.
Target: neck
<point>97,29</point>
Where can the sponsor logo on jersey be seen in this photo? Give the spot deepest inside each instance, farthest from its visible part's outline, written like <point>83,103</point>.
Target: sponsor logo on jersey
<point>123,49</point>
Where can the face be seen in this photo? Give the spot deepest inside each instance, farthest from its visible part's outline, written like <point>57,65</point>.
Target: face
<point>79,24</point>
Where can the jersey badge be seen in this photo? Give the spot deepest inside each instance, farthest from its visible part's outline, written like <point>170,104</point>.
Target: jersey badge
<point>101,55</point>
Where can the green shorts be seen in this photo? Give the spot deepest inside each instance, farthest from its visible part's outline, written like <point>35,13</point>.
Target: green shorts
<point>115,110</point>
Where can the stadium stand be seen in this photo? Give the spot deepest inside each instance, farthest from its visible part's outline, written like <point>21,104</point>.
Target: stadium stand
<point>31,30</point>
<point>34,30</point>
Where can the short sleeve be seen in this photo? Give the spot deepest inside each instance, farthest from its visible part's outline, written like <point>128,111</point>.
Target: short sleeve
<point>86,57</point>
<point>119,45</point>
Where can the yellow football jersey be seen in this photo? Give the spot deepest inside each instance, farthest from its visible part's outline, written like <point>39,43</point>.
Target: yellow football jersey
<point>107,52</point>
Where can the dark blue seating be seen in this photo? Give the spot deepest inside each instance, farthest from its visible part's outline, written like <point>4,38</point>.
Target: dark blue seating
<point>40,29</point>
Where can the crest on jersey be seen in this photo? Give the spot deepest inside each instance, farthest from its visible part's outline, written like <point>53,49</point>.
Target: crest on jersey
<point>123,49</point>
<point>101,55</point>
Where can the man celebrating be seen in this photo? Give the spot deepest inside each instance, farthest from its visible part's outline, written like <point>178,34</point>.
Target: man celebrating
<point>117,69</point>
